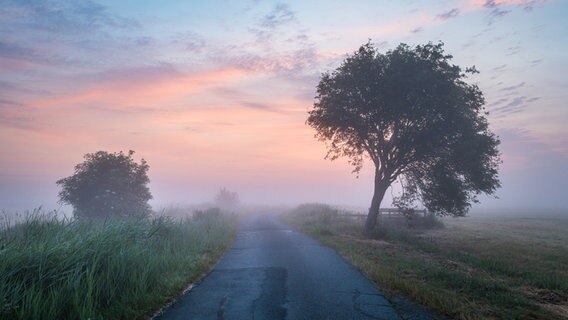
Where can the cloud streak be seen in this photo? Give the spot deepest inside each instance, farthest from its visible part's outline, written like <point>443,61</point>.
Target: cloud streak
<point>515,87</point>
<point>496,8</point>
<point>69,17</point>
<point>279,16</point>
<point>141,86</point>
<point>452,13</point>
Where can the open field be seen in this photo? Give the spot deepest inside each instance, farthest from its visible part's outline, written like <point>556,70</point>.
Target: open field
<point>59,269</point>
<point>472,268</point>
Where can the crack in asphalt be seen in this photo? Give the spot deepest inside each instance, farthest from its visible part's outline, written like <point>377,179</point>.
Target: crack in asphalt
<point>222,306</point>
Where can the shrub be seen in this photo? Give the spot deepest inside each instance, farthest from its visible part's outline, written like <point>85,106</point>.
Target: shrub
<point>317,212</point>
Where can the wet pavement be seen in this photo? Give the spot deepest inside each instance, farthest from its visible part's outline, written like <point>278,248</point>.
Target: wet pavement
<point>275,272</point>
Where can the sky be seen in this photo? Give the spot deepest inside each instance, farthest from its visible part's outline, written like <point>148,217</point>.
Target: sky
<point>215,93</point>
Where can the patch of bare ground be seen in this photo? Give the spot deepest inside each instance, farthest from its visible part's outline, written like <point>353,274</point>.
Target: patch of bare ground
<point>366,241</point>
<point>560,310</point>
<point>551,300</point>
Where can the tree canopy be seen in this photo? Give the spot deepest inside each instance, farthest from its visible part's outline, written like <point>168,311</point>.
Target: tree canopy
<point>411,113</point>
<point>107,185</point>
<point>226,199</point>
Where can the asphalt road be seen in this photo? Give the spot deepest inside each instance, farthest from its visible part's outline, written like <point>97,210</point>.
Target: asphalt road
<point>274,272</point>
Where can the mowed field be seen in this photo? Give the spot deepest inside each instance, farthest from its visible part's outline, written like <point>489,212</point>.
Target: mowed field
<point>480,267</point>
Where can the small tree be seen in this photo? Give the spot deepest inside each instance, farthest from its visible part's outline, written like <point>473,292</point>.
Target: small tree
<point>411,112</point>
<point>107,185</point>
<point>226,199</point>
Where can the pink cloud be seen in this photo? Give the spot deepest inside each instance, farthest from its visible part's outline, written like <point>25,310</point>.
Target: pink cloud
<point>486,3</point>
<point>130,90</point>
<point>13,64</point>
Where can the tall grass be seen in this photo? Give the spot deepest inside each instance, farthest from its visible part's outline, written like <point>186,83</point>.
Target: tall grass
<point>53,268</point>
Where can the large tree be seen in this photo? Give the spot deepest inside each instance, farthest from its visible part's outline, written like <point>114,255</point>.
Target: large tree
<point>409,111</point>
<point>107,185</point>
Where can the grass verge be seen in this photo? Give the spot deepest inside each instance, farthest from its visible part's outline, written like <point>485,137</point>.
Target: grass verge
<point>51,268</point>
<point>470,269</point>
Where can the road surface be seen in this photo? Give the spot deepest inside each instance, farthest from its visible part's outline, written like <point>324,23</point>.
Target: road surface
<point>274,272</point>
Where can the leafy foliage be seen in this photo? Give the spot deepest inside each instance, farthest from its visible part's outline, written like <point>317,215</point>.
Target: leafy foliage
<point>412,114</point>
<point>107,185</point>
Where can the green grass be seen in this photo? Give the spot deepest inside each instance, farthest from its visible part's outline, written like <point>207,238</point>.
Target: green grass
<point>473,268</point>
<point>54,268</point>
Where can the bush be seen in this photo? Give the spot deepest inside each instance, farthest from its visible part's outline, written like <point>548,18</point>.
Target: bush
<point>107,185</point>
<point>207,214</point>
<point>317,212</point>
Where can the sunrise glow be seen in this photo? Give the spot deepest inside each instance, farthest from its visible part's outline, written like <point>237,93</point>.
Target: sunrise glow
<point>216,93</point>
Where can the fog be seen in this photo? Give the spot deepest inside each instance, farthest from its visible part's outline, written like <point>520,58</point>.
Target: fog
<point>533,179</point>
<point>532,184</point>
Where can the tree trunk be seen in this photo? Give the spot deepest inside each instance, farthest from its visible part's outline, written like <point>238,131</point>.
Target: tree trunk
<point>381,187</point>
